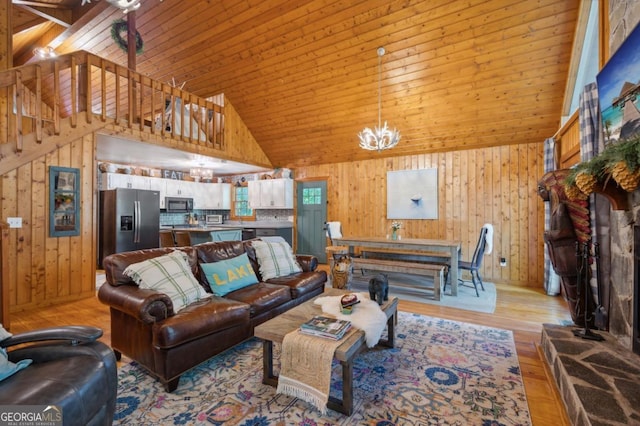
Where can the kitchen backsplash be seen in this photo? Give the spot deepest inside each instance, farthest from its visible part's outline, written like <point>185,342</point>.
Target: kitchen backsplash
<point>168,219</point>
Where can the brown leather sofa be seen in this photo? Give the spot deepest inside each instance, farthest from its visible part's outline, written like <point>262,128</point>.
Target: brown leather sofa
<point>145,328</point>
<point>70,369</point>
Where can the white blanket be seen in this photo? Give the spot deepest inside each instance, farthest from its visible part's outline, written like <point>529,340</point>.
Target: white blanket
<point>488,237</point>
<point>366,315</point>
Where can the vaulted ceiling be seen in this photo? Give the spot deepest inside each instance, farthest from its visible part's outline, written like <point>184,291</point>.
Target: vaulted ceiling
<point>303,74</point>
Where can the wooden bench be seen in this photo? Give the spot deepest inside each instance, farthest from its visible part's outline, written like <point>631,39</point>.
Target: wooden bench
<point>433,257</point>
<point>434,271</point>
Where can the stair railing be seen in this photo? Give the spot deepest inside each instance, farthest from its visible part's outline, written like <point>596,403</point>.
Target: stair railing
<point>83,86</point>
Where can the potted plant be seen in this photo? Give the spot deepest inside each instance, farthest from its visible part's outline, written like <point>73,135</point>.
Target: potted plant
<point>395,227</point>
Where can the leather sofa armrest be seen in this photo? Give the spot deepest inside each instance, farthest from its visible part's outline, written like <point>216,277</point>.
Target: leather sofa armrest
<point>307,262</point>
<point>74,333</point>
<point>148,306</point>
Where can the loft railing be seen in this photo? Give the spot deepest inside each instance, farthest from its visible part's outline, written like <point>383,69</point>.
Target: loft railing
<point>82,86</point>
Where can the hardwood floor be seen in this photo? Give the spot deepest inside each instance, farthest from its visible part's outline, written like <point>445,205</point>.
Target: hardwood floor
<point>520,310</point>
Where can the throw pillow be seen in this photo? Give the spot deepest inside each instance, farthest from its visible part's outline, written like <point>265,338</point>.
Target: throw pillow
<point>169,274</point>
<point>8,368</point>
<point>276,259</point>
<point>229,275</point>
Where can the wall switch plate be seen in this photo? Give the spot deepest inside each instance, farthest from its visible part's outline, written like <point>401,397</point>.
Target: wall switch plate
<point>14,222</point>
<point>503,261</point>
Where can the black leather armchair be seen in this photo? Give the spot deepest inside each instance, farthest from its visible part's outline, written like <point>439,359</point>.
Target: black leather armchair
<point>70,369</point>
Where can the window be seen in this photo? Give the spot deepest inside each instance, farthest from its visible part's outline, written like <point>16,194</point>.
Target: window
<point>311,196</point>
<point>241,208</point>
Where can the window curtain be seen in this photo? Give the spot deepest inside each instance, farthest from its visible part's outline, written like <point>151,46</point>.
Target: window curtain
<point>551,279</point>
<point>591,144</point>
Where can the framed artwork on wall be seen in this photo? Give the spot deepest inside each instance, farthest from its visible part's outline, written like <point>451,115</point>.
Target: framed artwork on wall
<point>618,89</point>
<point>412,194</point>
<point>64,201</point>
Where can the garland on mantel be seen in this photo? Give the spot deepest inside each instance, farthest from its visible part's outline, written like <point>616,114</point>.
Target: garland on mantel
<point>118,27</point>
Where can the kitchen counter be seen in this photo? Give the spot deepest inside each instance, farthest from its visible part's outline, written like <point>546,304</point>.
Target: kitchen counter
<point>196,228</point>
<point>248,230</point>
<point>278,224</point>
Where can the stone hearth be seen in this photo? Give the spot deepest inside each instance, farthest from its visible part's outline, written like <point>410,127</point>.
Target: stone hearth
<point>599,381</point>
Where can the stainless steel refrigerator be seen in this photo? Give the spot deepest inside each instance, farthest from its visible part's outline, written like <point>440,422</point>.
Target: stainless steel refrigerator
<point>129,220</point>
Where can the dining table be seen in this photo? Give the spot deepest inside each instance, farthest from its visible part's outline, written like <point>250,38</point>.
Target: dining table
<point>418,246</point>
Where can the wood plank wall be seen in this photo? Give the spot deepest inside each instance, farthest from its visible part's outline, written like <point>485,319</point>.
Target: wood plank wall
<point>496,185</point>
<point>44,270</point>
<point>492,185</point>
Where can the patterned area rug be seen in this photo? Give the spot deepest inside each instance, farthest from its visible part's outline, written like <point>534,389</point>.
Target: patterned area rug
<point>441,372</point>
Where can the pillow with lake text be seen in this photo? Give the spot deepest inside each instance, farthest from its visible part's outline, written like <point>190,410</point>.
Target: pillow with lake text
<point>229,275</point>
<point>276,259</point>
<point>169,274</point>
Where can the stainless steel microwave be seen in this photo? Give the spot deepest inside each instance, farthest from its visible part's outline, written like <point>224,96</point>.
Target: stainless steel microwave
<point>178,204</point>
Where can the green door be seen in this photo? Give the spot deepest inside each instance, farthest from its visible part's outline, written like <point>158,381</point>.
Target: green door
<point>311,216</point>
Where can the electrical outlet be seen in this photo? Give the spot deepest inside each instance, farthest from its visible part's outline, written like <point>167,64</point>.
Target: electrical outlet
<point>14,222</point>
<point>503,261</point>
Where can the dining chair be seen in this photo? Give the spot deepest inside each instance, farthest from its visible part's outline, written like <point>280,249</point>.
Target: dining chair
<point>474,265</point>
<point>166,238</point>
<point>183,238</point>
<point>334,230</point>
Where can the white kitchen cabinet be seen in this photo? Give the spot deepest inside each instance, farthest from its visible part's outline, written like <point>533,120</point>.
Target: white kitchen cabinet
<point>160,185</point>
<point>271,194</point>
<point>118,180</point>
<point>213,196</point>
<point>180,188</point>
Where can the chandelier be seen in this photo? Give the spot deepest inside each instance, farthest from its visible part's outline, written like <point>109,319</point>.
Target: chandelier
<point>201,173</point>
<point>125,5</point>
<point>381,137</point>
<point>44,52</point>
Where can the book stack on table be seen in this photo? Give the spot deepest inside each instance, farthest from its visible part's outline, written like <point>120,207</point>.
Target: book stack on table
<point>326,327</point>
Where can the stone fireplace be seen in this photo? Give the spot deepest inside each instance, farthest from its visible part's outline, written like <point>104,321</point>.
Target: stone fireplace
<point>600,381</point>
<point>623,292</point>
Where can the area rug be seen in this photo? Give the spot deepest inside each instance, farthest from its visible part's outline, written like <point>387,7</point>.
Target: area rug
<point>441,372</point>
<point>411,287</point>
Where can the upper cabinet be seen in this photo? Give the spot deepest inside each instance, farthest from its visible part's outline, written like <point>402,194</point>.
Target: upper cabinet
<point>213,196</point>
<point>180,188</point>
<point>117,180</point>
<point>156,184</point>
<point>271,194</point>
<point>206,196</point>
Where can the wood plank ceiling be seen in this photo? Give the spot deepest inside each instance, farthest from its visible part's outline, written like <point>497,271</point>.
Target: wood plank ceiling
<point>303,74</point>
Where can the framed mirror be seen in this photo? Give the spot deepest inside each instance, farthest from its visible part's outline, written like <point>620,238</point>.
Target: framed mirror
<point>64,201</point>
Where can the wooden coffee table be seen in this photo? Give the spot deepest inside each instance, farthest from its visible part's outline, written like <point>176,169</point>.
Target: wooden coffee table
<point>276,328</point>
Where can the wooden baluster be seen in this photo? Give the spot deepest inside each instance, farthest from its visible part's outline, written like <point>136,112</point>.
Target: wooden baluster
<point>153,107</point>
<point>56,97</point>
<point>141,96</point>
<point>38,104</point>
<point>164,109</point>
<point>182,109</point>
<point>88,101</point>
<point>130,98</point>
<point>117,72</point>
<point>103,89</point>
<point>18,99</point>
<point>74,92</point>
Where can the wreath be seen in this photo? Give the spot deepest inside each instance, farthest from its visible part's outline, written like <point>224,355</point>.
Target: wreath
<point>118,27</point>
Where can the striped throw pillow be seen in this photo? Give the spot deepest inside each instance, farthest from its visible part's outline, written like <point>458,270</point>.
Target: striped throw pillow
<point>169,274</point>
<point>276,259</point>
